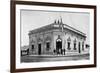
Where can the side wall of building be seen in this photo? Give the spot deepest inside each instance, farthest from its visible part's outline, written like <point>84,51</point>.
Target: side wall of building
<point>45,39</point>
<point>48,39</point>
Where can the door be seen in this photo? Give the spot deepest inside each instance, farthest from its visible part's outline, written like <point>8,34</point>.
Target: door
<point>39,49</point>
<point>59,46</point>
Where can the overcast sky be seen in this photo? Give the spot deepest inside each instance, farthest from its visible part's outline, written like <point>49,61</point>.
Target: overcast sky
<point>31,19</point>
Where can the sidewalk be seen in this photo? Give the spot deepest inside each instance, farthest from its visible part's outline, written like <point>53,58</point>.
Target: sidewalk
<point>67,55</point>
<point>48,58</point>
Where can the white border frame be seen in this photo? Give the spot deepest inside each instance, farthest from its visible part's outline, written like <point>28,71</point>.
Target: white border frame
<point>52,64</point>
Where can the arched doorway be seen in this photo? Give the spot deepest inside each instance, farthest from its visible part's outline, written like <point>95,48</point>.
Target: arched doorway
<point>58,45</point>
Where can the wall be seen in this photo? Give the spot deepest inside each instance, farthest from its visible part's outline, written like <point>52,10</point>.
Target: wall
<point>5,37</point>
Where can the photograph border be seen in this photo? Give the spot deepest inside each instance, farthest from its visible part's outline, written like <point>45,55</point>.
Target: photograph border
<point>13,35</point>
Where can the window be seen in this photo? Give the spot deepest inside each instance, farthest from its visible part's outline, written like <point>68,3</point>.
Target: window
<point>69,42</point>
<point>69,46</point>
<point>48,45</point>
<point>32,47</point>
<point>83,46</point>
<point>74,46</point>
<point>79,47</point>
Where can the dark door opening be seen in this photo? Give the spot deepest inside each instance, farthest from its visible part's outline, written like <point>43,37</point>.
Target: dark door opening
<point>39,49</point>
<point>79,47</point>
<point>58,46</point>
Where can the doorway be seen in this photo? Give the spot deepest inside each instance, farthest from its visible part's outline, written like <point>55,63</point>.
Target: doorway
<point>59,46</point>
<point>39,49</point>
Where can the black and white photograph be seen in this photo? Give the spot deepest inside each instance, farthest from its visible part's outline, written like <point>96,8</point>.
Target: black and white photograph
<point>54,36</point>
<point>51,36</point>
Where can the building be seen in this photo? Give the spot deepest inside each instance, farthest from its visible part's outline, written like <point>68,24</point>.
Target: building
<point>57,38</point>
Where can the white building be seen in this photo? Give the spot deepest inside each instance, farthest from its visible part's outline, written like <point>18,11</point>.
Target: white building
<point>57,38</point>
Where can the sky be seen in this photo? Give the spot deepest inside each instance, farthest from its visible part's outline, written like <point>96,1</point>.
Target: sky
<point>32,19</point>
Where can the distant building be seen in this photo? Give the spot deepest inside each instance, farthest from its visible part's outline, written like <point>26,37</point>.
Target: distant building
<point>24,50</point>
<point>57,38</point>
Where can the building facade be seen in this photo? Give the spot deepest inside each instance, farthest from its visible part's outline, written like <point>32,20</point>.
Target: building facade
<point>57,38</point>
